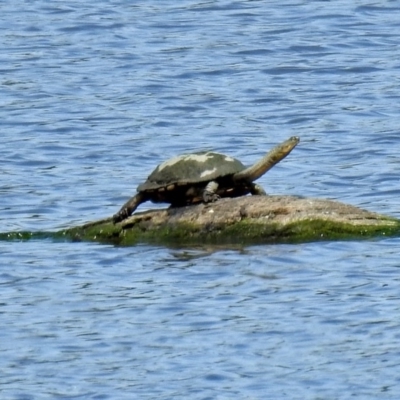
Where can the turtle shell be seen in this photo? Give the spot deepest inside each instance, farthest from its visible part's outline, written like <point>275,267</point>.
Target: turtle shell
<point>192,168</point>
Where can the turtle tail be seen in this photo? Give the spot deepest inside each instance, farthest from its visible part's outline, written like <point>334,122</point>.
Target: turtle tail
<point>275,155</point>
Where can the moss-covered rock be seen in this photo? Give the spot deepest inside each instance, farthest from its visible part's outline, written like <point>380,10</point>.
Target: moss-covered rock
<point>250,220</point>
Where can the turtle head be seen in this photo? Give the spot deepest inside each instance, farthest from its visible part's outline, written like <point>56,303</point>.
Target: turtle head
<point>275,155</point>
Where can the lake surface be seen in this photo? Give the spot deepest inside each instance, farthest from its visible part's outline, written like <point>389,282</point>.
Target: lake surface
<point>94,95</point>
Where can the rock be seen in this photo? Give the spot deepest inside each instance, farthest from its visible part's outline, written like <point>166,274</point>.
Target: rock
<point>246,219</point>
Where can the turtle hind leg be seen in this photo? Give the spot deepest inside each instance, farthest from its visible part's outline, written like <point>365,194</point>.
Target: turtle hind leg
<point>129,207</point>
<point>210,192</point>
<point>257,190</point>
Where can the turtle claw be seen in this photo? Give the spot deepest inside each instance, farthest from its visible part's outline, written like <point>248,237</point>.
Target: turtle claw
<point>210,197</point>
<point>129,207</point>
<point>120,216</point>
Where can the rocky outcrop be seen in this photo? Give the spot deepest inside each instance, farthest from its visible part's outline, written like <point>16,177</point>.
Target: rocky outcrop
<point>249,219</point>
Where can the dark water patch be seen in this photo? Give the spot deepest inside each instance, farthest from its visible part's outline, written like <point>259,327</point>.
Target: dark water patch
<point>254,52</point>
<point>282,70</point>
<point>373,9</point>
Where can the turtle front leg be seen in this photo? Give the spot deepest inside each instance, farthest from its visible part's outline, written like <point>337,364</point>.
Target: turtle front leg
<point>210,192</point>
<point>257,190</point>
<point>129,207</point>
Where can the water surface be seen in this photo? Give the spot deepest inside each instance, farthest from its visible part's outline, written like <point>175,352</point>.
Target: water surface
<point>93,96</point>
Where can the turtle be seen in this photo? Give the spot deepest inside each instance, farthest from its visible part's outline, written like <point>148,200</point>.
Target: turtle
<point>204,177</point>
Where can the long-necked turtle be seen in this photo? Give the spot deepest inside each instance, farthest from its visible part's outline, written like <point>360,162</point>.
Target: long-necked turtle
<point>203,177</point>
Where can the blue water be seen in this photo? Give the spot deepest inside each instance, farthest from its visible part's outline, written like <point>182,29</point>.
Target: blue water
<point>94,95</point>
